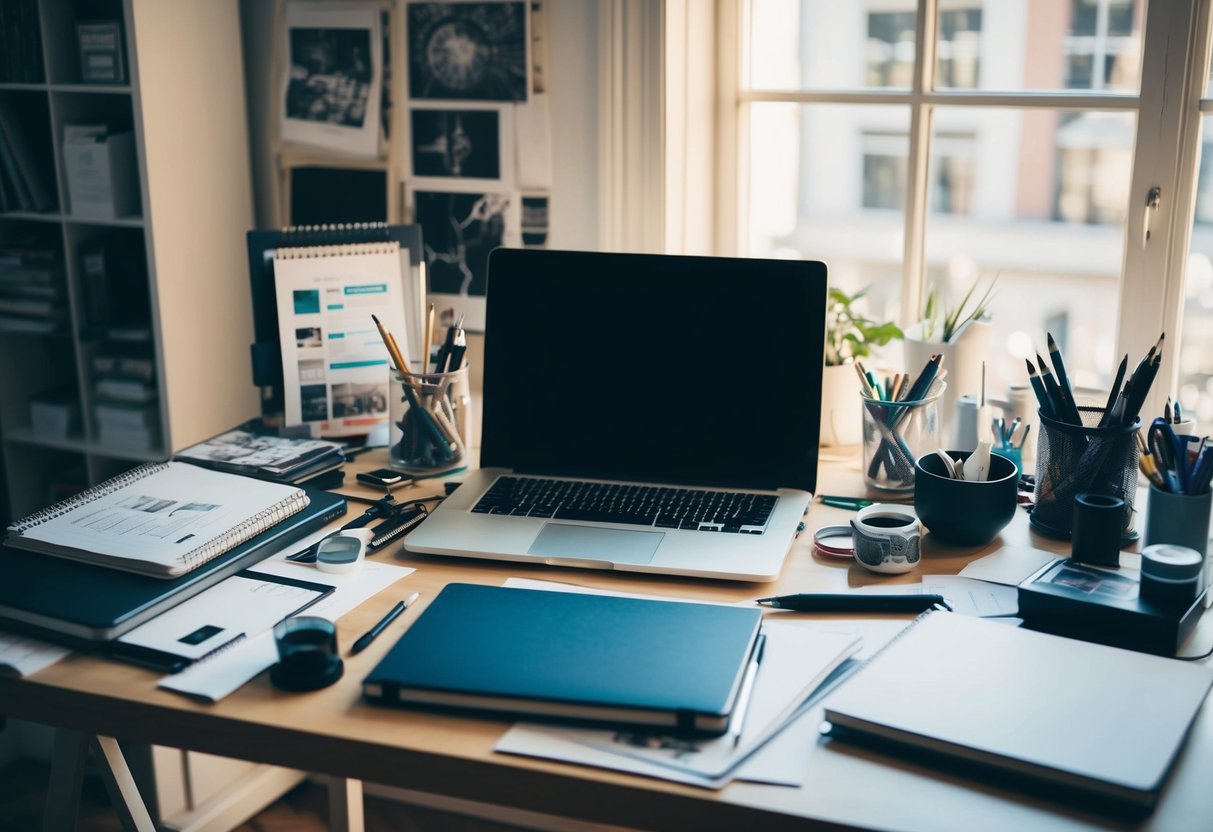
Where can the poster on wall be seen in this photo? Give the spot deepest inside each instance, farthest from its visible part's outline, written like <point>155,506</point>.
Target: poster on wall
<point>466,142</point>
<point>331,93</point>
<point>470,51</point>
<point>459,227</point>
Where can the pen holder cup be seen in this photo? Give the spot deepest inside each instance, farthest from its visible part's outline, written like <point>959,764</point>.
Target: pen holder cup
<point>895,434</point>
<point>1083,459</point>
<point>1183,520</point>
<point>428,415</point>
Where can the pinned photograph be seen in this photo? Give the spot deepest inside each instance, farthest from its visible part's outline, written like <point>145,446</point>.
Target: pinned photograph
<point>468,51</point>
<point>459,230</point>
<point>457,143</point>
<point>331,96</point>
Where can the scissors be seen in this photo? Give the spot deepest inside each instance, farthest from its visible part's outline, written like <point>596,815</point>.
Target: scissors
<point>1171,452</point>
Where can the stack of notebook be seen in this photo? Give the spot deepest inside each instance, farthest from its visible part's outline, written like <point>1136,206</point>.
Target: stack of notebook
<point>275,458</point>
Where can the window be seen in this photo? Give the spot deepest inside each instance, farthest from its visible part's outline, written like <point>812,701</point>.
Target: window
<point>1017,158</point>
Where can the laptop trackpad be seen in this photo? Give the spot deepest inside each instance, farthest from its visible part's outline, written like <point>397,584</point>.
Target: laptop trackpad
<point>562,540</point>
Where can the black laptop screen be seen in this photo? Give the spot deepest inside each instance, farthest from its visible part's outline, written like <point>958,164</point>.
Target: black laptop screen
<point>658,368</point>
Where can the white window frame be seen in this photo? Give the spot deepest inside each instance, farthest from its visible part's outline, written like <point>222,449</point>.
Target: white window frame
<point>1168,109</point>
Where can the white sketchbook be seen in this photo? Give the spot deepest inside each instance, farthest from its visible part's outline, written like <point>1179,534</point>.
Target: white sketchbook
<point>1076,717</point>
<point>160,519</point>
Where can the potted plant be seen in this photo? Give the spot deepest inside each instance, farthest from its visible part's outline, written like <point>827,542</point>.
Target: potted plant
<point>849,336</point>
<point>961,334</point>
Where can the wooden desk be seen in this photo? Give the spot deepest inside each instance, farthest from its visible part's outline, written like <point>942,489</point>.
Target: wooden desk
<point>333,732</point>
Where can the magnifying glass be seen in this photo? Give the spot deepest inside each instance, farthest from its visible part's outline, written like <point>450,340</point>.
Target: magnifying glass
<point>343,551</point>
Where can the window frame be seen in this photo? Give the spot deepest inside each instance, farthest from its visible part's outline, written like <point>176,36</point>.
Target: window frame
<point>1174,71</point>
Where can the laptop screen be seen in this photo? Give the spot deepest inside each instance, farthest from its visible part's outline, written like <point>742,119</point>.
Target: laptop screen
<point>657,368</point>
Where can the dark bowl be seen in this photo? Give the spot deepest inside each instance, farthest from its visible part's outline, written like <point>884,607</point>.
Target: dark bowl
<point>965,513</point>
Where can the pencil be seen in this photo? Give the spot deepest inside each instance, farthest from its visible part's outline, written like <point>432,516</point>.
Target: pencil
<point>393,349</point>
<point>1114,392</point>
<point>1038,387</point>
<point>428,338</point>
<point>1063,381</point>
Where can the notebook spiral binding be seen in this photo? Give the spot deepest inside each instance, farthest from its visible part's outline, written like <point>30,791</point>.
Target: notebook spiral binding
<point>318,251</point>
<point>86,496</point>
<point>250,528</point>
<point>336,232</point>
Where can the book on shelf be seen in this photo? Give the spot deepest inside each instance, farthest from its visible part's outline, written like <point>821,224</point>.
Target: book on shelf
<point>26,170</point>
<point>126,414</point>
<point>568,655</point>
<point>160,519</point>
<point>257,454</point>
<point>126,360</point>
<point>20,43</point>
<point>1078,719</point>
<point>101,170</point>
<point>124,438</point>
<point>100,45</point>
<point>55,414</point>
<point>120,389</point>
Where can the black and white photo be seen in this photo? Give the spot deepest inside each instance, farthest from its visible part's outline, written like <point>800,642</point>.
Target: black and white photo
<point>459,229</point>
<point>468,51</point>
<point>458,143</point>
<point>332,91</point>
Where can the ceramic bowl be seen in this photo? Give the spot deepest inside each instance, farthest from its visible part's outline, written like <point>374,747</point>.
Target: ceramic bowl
<point>960,512</point>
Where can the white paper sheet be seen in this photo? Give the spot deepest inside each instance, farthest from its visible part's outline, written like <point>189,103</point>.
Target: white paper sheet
<point>22,656</point>
<point>781,761</point>
<point>217,676</point>
<point>1010,565</point>
<point>233,608</point>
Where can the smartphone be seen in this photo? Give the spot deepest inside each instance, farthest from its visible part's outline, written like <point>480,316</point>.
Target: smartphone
<point>383,478</point>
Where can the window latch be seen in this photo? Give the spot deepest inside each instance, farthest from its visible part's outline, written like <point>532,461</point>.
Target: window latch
<point>1153,198</point>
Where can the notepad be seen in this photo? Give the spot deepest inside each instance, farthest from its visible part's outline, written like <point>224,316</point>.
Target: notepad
<point>161,519</point>
<point>1082,719</point>
<point>572,656</point>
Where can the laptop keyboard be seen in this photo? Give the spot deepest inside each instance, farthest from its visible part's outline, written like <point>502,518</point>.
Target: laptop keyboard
<point>662,507</point>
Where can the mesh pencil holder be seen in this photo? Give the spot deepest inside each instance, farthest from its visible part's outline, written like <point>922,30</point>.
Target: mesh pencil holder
<point>1086,459</point>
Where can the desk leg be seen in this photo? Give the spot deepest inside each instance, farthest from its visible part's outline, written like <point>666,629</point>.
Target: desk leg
<point>345,805</point>
<point>123,792</point>
<point>67,774</point>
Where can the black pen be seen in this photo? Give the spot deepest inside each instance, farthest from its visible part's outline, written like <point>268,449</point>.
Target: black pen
<point>365,640</point>
<point>855,602</point>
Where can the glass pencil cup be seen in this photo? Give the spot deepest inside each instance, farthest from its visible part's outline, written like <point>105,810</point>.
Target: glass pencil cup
<point>895,434</point>
<point>429,416</point>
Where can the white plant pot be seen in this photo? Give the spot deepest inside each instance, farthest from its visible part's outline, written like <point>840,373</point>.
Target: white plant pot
<point>841,410</point>
<point>962,358</point>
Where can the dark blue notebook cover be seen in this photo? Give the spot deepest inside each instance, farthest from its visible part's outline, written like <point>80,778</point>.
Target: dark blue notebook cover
<point>77,603</point>
<point>571,655</point>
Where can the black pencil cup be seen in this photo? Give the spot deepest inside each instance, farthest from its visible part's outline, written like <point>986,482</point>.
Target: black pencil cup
<point>1086,459</point>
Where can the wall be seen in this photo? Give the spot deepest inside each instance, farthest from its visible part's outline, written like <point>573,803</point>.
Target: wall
<point>573,86</point>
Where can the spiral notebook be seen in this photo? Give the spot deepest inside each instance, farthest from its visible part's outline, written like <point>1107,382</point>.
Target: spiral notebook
<point>161,519</point>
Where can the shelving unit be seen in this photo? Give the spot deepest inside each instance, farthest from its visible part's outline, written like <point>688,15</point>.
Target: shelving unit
<point>179,301</point>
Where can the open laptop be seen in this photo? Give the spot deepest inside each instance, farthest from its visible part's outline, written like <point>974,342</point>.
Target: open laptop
<point>646,413</point>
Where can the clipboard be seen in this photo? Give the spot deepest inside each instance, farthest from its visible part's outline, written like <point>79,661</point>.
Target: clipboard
<point>242,606</point>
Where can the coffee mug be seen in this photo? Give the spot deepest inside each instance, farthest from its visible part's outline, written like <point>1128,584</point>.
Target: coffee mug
<point>886,538</point>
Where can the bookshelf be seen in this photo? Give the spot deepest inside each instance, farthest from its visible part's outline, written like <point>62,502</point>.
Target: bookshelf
<point>124,305</point>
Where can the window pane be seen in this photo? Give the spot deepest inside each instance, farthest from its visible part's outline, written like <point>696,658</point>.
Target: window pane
<point>826,44</point>
<point>1196,342</point>
<point>1085,45</point>
<point>1091,45</point>
<point>1035,199</point>
<point>827,182</point>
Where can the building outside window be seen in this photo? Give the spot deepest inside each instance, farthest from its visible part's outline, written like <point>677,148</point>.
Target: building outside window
<point>1027,130</point>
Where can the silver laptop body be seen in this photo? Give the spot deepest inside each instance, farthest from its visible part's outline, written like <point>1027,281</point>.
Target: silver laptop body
<point>634,387</point>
